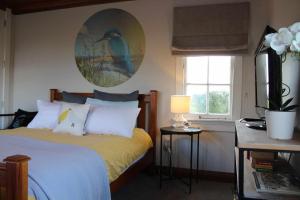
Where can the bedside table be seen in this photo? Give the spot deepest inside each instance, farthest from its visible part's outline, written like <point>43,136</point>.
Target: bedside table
<point>180,131</point>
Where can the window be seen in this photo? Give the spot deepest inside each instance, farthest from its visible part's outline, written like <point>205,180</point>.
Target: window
<point>208,80</point>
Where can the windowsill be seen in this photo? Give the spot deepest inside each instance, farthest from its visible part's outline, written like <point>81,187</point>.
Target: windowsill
<point>214,125</point>
<point>212,120</point>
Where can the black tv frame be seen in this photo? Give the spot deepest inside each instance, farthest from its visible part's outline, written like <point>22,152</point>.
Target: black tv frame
<point>275,72</point>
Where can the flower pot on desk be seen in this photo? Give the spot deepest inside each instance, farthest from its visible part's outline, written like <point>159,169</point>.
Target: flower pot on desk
<point>280,124</point>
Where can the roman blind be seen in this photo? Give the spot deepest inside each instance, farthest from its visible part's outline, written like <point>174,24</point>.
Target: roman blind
<point>211,29</point>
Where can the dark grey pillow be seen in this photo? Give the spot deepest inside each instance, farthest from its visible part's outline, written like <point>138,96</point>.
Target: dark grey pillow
<point>116,97</point>
<point>22,118</point>
<point>73,98</point>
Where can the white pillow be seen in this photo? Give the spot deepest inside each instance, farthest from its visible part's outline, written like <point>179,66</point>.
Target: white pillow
<point>47,115</point>
<point>72,118</point>
<point>112,120</point>
<point>98,102</point>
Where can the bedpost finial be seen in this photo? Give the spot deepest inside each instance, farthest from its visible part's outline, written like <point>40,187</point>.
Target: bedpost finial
<point>17,158</point>
<point>53,94</point>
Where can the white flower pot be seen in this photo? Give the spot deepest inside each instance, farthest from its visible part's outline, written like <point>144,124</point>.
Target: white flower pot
<point>280,124</point>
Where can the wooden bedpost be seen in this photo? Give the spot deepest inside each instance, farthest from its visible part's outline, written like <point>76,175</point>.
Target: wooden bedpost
<point>53,94</point>
<point>153,119</point>
<point>16,181</point>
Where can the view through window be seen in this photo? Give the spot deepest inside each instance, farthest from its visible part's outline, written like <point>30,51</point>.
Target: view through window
<point>208,82</point>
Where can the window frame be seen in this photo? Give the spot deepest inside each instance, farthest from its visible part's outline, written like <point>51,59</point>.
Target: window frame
<point>207,114</point>
<point>6,67</point>
<point>235,89</point>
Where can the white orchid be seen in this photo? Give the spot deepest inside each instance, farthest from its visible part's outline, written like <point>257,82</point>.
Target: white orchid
<point>286,39</point>
<point>295,28</point>
<point>281,41</point>
<point>268,39</point>
<point>295,47</point>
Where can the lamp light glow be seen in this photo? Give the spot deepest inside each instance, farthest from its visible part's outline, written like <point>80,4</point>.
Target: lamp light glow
<point>180,104</point>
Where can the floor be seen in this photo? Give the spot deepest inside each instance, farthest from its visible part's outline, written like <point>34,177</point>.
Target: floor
<point>146,187</point>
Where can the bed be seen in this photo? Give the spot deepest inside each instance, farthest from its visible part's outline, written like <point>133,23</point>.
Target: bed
<point>13,170</point>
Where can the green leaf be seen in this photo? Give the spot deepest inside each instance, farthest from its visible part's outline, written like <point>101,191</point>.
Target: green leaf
<point>290,108</point>
<point>287,102</point>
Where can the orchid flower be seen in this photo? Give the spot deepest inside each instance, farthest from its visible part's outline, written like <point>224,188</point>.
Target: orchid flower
<point>281,40</point>
<point>295,46</point>
<point>295,28</point>
<point>286,39</point>
<point>268,39</point>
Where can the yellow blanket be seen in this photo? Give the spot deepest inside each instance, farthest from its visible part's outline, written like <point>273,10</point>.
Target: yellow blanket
<point>117,152</point>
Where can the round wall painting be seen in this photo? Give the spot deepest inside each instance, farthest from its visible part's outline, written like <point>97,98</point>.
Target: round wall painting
<point>110,47</point>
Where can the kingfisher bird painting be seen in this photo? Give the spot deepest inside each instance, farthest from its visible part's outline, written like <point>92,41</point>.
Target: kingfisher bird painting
<point>110,47</point>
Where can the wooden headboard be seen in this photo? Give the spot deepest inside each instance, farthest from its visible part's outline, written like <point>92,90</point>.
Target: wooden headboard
<point>147,118</point>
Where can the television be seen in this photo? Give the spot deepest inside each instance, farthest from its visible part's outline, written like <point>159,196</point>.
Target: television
<point>268,76</point>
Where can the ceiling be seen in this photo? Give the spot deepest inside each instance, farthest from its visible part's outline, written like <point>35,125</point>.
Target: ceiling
<point>29,6</point>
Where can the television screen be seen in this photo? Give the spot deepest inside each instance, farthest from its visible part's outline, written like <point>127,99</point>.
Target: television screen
<point>262,81</point>
<point>268,76</point>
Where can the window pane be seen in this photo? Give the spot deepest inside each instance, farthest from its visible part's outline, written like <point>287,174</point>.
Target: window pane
<point>219,98</point>
<point>198,98</point>
<point>219,69</point>
<point>196,69</point>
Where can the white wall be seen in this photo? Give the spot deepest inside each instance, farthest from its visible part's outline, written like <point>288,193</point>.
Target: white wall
<point>284,12</point>
<point>44,58</point>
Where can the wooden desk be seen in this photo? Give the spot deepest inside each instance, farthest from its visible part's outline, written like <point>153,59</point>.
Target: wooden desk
<point>257,140</point>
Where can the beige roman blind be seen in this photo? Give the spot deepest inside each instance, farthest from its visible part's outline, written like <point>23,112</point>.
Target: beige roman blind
<point>211,29</point>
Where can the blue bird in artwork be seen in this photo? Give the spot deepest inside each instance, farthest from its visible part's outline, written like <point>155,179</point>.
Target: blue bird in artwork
<point>119,51</point>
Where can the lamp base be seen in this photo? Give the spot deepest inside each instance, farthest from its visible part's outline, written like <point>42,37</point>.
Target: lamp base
<point>179,121</point>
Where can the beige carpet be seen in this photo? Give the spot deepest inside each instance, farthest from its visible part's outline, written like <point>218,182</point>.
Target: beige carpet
<point>146,187</point>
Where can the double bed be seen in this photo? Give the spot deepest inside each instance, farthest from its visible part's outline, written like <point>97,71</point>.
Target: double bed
<point>123,157</point>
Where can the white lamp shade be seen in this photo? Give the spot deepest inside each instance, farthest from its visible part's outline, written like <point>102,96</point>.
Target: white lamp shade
<point>180,103</point>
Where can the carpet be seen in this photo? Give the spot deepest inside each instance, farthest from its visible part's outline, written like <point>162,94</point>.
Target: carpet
<point>146,187</point>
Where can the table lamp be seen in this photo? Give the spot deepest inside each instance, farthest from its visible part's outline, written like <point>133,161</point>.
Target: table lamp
<point>180,104</point>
